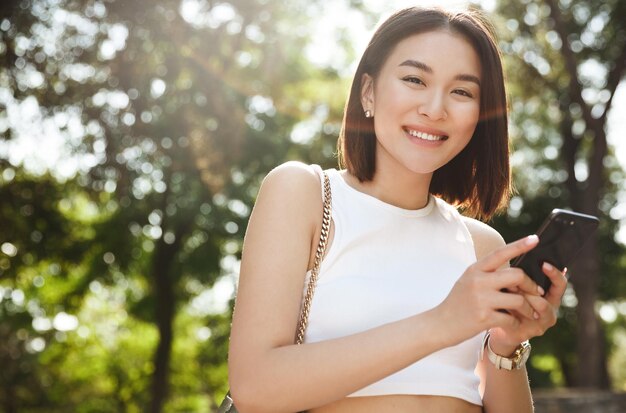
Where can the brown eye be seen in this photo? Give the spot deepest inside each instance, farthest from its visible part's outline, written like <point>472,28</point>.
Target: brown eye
<point>413,79</point>
<point>463,93</point>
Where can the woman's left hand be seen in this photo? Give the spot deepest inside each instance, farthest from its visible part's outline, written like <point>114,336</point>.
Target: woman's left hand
<point>504,341</point>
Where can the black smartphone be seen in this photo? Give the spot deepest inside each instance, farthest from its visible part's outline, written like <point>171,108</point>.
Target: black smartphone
<point>561,237</point>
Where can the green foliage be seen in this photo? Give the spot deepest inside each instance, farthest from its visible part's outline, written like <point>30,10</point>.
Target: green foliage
<point>564,60</point>
<point>176,111</point>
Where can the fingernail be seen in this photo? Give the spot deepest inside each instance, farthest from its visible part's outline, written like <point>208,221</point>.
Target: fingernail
<point>531,239</point>
<point>536,314</point>
<point>547,266</point>
<point>540,290</point>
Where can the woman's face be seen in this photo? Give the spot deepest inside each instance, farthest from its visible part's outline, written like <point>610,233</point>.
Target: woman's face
<point>425,101</point>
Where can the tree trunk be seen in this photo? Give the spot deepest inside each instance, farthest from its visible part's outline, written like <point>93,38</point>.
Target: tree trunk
<point>165,279</point>
<point>584,197</point>
<point>585,277</point>
<point>10,401</point>
<point>164,303</point>
<point>592,369</point>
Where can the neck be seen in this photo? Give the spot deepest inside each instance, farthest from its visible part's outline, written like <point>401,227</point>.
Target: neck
<point>404,189</point>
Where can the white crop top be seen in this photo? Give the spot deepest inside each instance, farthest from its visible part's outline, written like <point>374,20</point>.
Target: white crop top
<point>384,264</point>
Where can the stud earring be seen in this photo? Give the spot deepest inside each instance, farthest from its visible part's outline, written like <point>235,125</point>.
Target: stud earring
<point>368,114</point>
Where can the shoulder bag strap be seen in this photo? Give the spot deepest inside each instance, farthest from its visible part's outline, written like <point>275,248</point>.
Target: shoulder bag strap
<point>227,405</point>
<point>319,254</point>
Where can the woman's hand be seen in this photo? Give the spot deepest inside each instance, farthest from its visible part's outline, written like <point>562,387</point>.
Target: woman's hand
<point>504,339</point>
<point>482,299</point>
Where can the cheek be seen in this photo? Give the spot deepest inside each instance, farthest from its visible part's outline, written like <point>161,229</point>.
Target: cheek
<point>389,92</point>
<point>468,119</point>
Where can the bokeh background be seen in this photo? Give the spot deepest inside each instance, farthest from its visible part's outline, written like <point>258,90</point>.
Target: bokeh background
<point>133,139</point>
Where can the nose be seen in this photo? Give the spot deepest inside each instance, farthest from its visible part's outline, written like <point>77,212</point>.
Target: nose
<point>433,106</point>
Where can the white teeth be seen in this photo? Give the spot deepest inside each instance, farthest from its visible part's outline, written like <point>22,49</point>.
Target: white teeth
<point>425,136</point>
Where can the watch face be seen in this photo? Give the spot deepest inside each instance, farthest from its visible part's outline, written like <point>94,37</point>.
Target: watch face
<point>523,355</point>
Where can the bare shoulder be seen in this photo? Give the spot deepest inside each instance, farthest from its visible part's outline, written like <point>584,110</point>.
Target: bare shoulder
<point>275,256</point>
<point>289,195</point>
<point>292,176</point>
<point>486,239</point>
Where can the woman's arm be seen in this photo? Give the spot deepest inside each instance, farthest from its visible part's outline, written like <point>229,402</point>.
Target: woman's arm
<point>269,373</point>
<point>504,390</point>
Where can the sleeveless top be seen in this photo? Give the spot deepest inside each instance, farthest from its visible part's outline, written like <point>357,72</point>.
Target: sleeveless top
<point>385,264</point>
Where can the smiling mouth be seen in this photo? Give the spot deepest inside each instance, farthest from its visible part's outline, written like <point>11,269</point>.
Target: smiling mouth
<point>426,136</point>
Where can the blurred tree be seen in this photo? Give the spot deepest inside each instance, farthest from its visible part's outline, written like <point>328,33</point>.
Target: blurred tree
<point>37,242</point>
<point>566,59</point>
<point>174,110</point>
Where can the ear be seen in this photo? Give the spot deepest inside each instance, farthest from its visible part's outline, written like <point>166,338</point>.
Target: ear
<point>367,92</point>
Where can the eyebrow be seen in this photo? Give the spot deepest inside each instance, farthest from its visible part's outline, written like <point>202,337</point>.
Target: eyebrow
<point>424,67</point>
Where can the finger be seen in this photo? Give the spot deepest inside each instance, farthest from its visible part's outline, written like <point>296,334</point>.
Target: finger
<point>506,253</point>
<point>559,283</point>
<point>505,320</point>
<point>517,304</point>
<point>546,313</point>
<point>538,304</point>
<point>515,280</point>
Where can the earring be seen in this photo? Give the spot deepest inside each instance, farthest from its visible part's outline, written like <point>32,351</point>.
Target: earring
<point>368,114</point>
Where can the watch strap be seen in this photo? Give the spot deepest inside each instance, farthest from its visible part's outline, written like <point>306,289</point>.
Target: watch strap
<point>506,363</point>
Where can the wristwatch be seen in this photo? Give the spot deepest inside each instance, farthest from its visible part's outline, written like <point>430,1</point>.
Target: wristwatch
<point>515,362</point>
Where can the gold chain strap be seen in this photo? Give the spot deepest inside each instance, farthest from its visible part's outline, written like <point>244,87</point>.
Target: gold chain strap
<point>228,405</point>
<point>319,254</point>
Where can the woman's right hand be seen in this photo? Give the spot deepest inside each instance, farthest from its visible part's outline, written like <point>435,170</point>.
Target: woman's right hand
<point>486,288</point>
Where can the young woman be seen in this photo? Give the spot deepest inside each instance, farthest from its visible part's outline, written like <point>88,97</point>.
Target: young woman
<point>408,286</point>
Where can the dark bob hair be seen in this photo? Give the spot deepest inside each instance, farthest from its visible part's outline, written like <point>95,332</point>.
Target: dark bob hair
<point>478,178</point>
